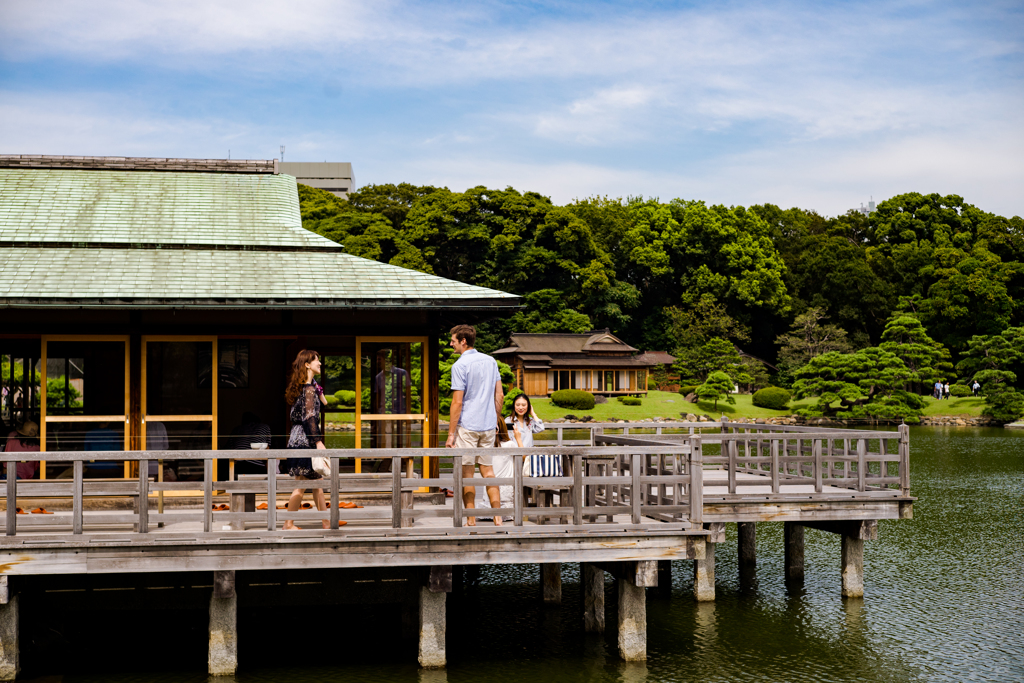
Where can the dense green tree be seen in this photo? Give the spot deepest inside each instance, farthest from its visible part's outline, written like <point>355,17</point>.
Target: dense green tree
<point>717,386</point>
<point>715,355</point>
<point>865,384</point>
<point>810,336</point>
<point>994,362</point>
<point>927,359</point>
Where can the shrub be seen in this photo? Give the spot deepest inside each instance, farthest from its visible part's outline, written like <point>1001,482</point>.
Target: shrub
<point>652,384</point>
<point>345,398</point>
<point>959,390</point>
<point>573,398</point>
<point>630,400</point>
<point>332,401</point>
<point>688,389</point>
<point>774,398</point>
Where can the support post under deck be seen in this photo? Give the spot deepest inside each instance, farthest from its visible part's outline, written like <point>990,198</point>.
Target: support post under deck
<point>223,657</point>
<point>9,649</point>
<point>794,549</point>
<point>853,567</point>
<point>632,621</point>
<point>747,545</point>
<point>592,577</point>
<point>551,582</point>
<point>433,623</point>
<point>704,572</point>
<point>665,577</point>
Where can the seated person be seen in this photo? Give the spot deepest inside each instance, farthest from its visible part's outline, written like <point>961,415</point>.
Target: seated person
<point>252,430</point>
<point>24,439</point>
<point>103,438</point>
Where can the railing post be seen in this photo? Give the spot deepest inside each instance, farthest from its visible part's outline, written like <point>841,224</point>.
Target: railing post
<point>335,482</point>
<point>774,445</point>
<point>634,492</point>
<point>816,454</point>
<point>208,494</point>
<point>517,490</point>
<point>396,492</point>
<point>77,506</point>
<point>862,464</point>
<point>272,493</point>
<point>904,431</point>
<point>12,498</point>
<point>695,462</point>
<point>577,489</point>
<point>457,494</point>
<point>144,496</point>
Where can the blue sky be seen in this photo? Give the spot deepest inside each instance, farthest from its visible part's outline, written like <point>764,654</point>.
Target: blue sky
<point>812,104</point>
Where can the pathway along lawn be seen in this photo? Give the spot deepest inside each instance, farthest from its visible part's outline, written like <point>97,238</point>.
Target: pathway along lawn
<point>674,407</point>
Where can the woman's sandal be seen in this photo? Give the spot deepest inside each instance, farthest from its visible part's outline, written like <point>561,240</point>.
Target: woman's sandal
<point>41,511</point>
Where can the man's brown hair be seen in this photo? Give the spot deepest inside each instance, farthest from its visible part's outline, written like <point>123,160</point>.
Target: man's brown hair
<point>464,333</point>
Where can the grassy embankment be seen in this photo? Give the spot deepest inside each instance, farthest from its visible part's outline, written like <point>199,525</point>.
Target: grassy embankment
<point>669,406</point>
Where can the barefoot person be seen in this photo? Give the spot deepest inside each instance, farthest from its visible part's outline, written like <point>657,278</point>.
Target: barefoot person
<point>304,399</point>
<point>477,399</point>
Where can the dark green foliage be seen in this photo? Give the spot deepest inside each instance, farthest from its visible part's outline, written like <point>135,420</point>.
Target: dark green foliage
<point>691,277</point>
<point>652,384</point>
<point>774,398</point>
<point>688,389</point>
<point>959,390</point>
<point>994,361</point>
<point>573,399</point>
<point>865,384</point>
<point>346,398</point>
<point>630,400</point>
<point>717,386</point>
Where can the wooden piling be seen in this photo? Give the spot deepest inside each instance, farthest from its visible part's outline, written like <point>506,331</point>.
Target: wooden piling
<point>433,616</point>
<point>9,647</point>
<point>223,654</point>
<point>592,578</point>
<point>632,634</point>
<point>747,545</point>
<point>551,583</point>
<point>853,567</point>
<point>704,571</point>
<point>794,550</point>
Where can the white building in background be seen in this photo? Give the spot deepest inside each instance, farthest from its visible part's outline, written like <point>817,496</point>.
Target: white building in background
<point>335,177</point>
<point>870,208</point>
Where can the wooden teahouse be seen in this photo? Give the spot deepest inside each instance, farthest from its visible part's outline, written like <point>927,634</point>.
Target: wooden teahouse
<point>598,362</point>
<point>122,279</point>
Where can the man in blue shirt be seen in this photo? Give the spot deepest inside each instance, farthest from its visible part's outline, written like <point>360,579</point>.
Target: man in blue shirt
<point>477,399</point>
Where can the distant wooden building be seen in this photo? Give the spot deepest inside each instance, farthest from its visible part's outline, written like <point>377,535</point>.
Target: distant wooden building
<point>155,303</point>
<point>598,362</point>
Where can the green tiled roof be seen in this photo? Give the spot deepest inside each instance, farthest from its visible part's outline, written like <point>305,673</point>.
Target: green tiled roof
<point>72,206</point>
<point>33,275</point>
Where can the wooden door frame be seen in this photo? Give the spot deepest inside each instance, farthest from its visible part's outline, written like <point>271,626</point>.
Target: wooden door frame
<point>44,341</point>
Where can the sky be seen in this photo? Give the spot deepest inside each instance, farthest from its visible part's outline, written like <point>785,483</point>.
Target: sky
<point>819,105</point>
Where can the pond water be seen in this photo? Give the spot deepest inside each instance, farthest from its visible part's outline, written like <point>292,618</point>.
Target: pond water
<point>944,601</point>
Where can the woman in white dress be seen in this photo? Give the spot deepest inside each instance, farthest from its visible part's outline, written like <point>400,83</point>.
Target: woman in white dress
<point>523,424</point>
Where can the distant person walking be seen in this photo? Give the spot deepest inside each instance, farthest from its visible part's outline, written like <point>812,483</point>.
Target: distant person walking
<point>976,388</point>
<point>945,391</point>
<point>304,399</point>
<point>477,399</point>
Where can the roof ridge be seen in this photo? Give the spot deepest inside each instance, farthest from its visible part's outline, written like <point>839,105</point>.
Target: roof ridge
<point>101,163</point>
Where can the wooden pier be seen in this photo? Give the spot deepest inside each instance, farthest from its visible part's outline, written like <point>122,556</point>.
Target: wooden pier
<point>629,503</point>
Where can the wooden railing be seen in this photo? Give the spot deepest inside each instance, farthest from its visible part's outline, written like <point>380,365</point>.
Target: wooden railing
<point>858,460</point>
<point>584,490</point>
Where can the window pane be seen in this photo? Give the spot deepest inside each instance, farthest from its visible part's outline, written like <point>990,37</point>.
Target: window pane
<point>85,378</point>
<point>178,378</point>
<point>87,437</point>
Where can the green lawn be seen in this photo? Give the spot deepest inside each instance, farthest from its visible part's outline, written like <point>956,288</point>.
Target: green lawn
<point>669,406</point>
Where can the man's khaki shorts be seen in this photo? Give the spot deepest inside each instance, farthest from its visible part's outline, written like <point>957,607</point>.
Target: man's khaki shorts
<point>467,439</point>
